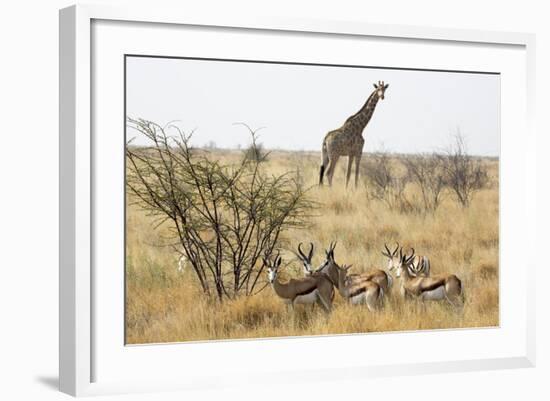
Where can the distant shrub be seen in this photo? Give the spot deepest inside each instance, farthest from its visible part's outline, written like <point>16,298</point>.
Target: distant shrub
<point>211,145</point>
<point>426,171</point>
<point>464,175</point>
<point>254,152</point>
<point>384,183</point>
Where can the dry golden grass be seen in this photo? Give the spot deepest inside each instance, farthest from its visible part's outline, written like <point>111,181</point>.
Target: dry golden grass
<point>163,305</point>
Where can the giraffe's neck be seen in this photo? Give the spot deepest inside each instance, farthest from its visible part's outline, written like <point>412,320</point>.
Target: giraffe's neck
<point>363,116</point>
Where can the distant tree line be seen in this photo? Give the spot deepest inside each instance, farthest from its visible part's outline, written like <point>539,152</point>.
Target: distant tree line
<point>435,175</point>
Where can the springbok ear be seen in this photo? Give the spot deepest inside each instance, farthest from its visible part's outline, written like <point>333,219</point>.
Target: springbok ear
<point>279,260</point>
<point>386,86</point>
<point>375,86</point>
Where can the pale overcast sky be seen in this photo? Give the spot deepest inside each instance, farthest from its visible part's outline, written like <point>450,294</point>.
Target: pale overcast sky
<point>298,104</point>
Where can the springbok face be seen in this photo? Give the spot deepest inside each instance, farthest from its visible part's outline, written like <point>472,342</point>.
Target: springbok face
<point>381,89</point>
<point>394,257</point>
<point>398,271</point>
<point>342,271</point>
<point>273,269</point>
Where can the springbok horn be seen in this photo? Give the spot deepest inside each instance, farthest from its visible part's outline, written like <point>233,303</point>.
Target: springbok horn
<point>387,250</point>
<point>301,252</point>
<point>310,255</point>
<point>409,258</point>
<point>278,259</point>
<point>396,248</point>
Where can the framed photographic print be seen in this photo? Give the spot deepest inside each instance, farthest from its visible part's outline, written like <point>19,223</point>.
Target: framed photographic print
<point>247,191</point>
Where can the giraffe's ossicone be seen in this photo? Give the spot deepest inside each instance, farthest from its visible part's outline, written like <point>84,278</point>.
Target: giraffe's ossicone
<point>348,139</point>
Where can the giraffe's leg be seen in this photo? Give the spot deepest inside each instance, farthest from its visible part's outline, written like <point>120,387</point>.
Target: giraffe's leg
<point>324,163</point>
<point>357,163</point>
<point>331,168</point>
<point>329,171</point>
<point>348,174</point>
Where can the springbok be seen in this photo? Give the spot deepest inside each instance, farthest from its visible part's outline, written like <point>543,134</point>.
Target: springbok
<point>380,277</point>
<point>306,259</point>
<point>355,291</point>
<point>441,287</point>
<point>313,289</point>
<point>307,265</point>
<point>421,263</point>
<point>363,292</point>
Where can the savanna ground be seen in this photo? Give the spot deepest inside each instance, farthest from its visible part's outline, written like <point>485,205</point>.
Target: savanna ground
<point>164,305</point>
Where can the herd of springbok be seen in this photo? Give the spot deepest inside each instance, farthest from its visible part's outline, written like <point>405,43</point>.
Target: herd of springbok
<point>318,286</point>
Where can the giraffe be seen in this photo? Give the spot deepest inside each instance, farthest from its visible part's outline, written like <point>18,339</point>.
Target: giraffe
<point>348,139</point>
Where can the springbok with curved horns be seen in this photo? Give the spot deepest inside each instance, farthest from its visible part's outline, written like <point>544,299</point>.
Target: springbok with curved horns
<point>356,292</point>
<point>307,260</point>
<point>380,277</point>
<point>441,287</point>
<point>308,290</point>
<point>421,263</point>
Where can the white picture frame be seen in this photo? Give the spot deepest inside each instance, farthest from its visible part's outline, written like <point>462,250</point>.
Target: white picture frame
<point>81,345</point>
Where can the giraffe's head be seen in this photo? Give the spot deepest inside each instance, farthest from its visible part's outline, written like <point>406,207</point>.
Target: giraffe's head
<point>380,89</point>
